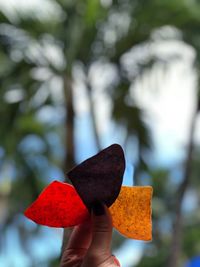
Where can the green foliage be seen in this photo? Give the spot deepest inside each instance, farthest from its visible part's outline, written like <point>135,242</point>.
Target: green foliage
<point>159,259</point>
<point>85,32</point>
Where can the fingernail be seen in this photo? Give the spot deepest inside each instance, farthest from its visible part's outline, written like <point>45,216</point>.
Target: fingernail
<point>98,209</point>
<point>116,261</point>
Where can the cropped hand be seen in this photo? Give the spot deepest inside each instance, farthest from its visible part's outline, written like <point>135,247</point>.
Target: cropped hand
<point>89,243</point>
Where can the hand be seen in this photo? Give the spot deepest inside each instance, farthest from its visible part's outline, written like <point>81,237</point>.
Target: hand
<point>89,243</point>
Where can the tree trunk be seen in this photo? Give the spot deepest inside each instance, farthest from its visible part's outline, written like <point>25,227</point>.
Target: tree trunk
<point>69,160</point>
<point>93,118</point>
<point>177,228</point>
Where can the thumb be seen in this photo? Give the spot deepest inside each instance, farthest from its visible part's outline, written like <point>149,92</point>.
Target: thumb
<point>101,229</point>
<point>99,251</point>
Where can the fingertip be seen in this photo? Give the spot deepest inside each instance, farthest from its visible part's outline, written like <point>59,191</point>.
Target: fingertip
<point>98,209</point>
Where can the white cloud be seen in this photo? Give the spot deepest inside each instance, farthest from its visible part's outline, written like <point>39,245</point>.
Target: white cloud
<point>39,9</point>
<point>169,108</point>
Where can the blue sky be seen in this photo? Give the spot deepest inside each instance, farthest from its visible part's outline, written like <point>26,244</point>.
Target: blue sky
<point>167,110</point>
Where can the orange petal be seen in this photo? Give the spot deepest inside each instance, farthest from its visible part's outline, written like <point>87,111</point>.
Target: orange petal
<point>131,212</point>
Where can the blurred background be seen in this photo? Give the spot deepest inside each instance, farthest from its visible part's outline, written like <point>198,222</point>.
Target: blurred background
<point>77,76</point>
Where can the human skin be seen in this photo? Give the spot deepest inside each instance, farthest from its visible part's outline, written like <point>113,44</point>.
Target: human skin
<point>89,244</point>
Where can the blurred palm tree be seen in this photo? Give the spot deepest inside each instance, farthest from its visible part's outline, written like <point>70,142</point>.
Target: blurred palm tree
<point>40,55</point>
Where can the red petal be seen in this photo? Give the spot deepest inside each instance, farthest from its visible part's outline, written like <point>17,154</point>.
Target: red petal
<point>58,205</point>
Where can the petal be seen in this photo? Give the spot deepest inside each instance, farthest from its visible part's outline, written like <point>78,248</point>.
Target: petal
<point>99,178</point>
<point>58,205</point>
<point>131,212</point>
